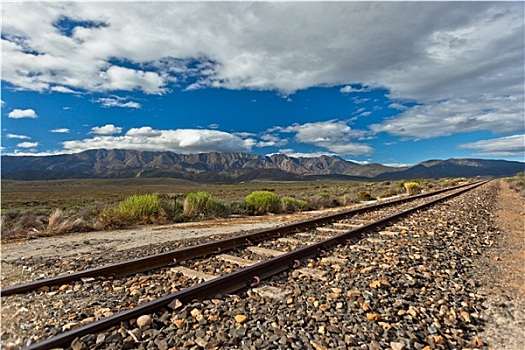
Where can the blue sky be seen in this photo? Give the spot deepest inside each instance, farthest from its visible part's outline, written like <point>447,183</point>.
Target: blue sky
<point>374,82</point>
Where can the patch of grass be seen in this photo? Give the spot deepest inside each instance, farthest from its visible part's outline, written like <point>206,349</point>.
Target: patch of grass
<point>517,183</point>
<point>140,207</point>
<point>263,202</point>
<point>412,188</point>
<point>203,205</point>
<point>291,205</point>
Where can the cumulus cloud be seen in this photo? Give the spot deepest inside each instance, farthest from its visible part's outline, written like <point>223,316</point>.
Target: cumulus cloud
<point>439,54</point>
<point>116,101</point>
<point>62,89</point>
<point>108,129</point>
<point>60,131</point>
<point>348,89</point>
<point>20,137</point>
<point>499,114</point>
<point>513,146</point>
<point>399,106</point>
<point>424,51</point>
<point>269,140</point>
<point>22,113</point>
<point>178,141</point>
<point>335,136</point>
<point>291,153</point>
<point>27,144</point>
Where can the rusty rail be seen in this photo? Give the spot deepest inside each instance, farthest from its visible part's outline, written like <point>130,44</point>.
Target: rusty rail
<point>234,281</point>
<point>129,267</point>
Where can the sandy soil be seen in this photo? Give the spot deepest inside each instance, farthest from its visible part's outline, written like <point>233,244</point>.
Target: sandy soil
<point>140,236</point>
<point>503,275</point>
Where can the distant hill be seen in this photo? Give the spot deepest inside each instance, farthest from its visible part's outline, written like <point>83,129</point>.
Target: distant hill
<point>235,167</point>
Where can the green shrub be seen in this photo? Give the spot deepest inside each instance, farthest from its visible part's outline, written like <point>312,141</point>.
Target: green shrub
<point>263,202</point>
<point>172,209</point>
<point>140,207</point>
<point>412,188</point>
<point>111,219</point>
<point>290,205</point>
<point>202,204</point>
<point>240,208</point>
<point>364,195</point>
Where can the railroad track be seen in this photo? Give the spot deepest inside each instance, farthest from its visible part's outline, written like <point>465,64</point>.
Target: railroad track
<point>243,260</point>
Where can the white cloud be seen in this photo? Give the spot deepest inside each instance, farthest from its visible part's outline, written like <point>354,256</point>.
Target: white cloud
<point>179,141</point>
<point>422,51</point>
<point>117,78</point>
<point>20,137</point>
<point>399,106</point>
<point>108,129</point>
<point>63,89</point>
<point>22,113</point>
<point>428,52</point>
<point>348,89</point>
<point>499,114</point>
<point>116,101</point>
<point>335,136</point>
<point>60,131</point>
<point>269,140</point>
<point>213,126</point>
<point>513,146</point>
<point>27,144</point>
<point>146,131</point>
<point>291,153</point>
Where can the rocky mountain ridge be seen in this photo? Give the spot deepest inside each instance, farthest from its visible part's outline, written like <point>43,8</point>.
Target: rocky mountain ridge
<point>234,167</point>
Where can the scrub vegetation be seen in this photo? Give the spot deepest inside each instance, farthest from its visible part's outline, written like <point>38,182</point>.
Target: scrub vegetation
<point>517,183</point>
<point>36,208</point>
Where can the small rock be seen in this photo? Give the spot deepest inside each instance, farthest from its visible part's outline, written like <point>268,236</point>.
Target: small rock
<point>397,346</point>
<point>195,312</point>
<point>179,322</point>
<point>372,317</point>
<point>144,320</point>
<point>241,319</point>
<point>78,344</point>
<point>318,346</point>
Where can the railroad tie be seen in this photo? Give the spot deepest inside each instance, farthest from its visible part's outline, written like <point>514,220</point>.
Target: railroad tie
<point>236,260</point>
<point>272,292</point>
<point>290,241</point>
<point>193,273</point>
<point>388,233</point>
<point>314,235</point>
<point>347,226</point>
<point>330,230</point>
<point>333,260</point>
<point>265,251</point>
<point>306,271</point>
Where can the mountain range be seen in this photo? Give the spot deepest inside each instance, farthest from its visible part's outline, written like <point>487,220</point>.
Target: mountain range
<point>236,167</point>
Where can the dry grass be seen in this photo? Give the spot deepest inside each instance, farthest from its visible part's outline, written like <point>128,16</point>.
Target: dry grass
<point>61,206</point>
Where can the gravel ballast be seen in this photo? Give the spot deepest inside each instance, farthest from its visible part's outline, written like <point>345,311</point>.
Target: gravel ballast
<point>415,285</point>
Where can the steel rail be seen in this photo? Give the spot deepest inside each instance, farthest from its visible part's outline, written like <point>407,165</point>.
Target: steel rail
<point>129,267</point>
<point>234,281</point>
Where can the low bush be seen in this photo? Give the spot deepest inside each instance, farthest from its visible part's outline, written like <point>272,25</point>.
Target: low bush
<point>240,208</point>
<point>263,202</point>
<point>202,204</point>
<point>110,219</point>
<point>364,195</point>
<point>291,205</point>
<point>412,188</point>
<point>140,207</point>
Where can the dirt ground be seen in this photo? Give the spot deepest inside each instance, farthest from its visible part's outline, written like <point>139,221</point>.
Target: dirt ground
<point>118,240</point>
<point>502,270</point>
<point>509,257</point>
<point>503,275</point>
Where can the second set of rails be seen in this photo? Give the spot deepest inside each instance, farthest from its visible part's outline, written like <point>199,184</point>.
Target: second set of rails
<point>235,263</point>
